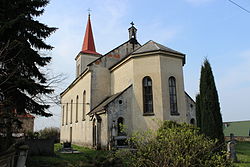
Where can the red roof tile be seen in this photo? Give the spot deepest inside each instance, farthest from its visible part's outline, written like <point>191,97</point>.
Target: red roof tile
<point>88,43</point>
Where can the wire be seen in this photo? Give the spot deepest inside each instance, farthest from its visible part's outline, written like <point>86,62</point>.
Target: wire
<point>239,6</point>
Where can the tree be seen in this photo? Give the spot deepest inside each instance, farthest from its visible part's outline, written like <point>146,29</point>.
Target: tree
<point>173,145</point>
<point>23,82</point>
<point>198,111</point>
<point>208,110</point>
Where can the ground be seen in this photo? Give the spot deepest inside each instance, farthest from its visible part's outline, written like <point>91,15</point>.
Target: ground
<point>243,154</point>
<point>88,158</point>
<point>94,158</point>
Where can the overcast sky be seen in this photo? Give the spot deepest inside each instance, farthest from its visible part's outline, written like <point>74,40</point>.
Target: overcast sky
<point>216,29</point>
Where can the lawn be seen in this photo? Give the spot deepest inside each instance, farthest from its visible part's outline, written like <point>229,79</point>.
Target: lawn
<point>243,154</point>
<point>93,158</point>
<point>87,158</point>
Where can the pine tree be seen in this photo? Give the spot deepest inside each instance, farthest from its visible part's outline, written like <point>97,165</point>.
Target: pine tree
<point>210,120</point>
<point>23,81</point>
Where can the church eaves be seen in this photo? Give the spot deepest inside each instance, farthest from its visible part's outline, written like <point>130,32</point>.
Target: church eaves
<point>88,43</point>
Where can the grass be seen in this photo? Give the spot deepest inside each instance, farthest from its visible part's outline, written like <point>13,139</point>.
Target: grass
<point>243,154</point>
<point>93,158</point>
<point>87,158</point>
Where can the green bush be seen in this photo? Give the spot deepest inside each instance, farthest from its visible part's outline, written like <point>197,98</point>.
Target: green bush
<point>51,132</point>
<point>173,145</point>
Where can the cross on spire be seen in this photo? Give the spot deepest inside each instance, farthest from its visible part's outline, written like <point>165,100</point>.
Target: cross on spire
<point>89,10</point>
<point>132,23</point>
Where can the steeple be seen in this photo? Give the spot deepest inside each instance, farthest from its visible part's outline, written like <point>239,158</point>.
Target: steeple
<point>132,31</point>
<point>88,43</point>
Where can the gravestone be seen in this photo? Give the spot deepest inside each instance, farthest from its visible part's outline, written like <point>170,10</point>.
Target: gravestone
<point>231,149</point>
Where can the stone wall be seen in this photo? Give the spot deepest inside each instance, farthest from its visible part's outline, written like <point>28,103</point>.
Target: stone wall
<point>40,146</point>
<point>238,138</point>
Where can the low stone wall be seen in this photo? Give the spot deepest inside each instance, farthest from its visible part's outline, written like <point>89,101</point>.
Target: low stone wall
<point>40,146</point>
<point>7,157</point>
<point>238,138</point>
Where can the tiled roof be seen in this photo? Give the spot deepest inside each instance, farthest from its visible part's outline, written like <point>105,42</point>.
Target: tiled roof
<point>153,46</point>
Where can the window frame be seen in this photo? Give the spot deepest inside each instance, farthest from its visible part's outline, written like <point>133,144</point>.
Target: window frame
<point>173,103</point>
<point>77,98</point>
<point>147,93</point>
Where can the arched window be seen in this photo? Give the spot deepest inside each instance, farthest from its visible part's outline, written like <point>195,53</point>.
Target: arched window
<point>67,107</point>
<point>83,105</point>
<point>120,123</point>
<point>147,95</point>
<point>77,108</point>
<point>71,111</point>
<point>173,96</point>
<point>63,116</point>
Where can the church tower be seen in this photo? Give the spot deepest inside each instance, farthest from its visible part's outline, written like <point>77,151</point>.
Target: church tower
<point>88,53</point>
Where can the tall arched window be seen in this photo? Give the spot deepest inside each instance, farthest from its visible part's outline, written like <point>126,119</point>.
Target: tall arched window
<point>77,108</point>
<point>63,116</point>
<point>67,109</point>
<point>83,105</point>
<point>71,111</point>
<point>147,95</point>
<point>173,96</point>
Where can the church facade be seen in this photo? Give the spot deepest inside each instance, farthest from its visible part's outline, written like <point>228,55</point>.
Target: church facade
<point>125,90</point>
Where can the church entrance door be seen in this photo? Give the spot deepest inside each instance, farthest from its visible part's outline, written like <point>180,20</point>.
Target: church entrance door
<point>97,132</point>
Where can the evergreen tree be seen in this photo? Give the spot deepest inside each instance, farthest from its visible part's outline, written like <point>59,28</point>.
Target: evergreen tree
<point>210,120</point>
<point>198,112</point>
<point>23,81</point>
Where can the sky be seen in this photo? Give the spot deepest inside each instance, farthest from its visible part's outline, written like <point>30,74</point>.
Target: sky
<point>213,29</point>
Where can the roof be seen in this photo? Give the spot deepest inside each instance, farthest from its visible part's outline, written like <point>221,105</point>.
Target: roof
<point>25,116</point>
<point>153,46</point>
<point>111,51</point>
<point>88,42</point>
<point>238,128</point>
<point>105,102</point>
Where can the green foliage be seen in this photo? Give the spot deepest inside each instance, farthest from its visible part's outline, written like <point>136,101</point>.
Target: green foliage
<point>23,81</point>
<point>208,108</point>
<point>51,132</point>
<point>198,110</point>
<point>173,145</point>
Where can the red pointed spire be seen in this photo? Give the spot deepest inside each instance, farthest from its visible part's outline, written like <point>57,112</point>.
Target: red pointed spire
<point>88,43</point>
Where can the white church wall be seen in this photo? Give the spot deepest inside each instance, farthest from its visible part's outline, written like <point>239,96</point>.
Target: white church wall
<point>100,84</point>
<point>81,130</point>
<point>122,77</point>
<point>148,65</point>
<point>172,66</point>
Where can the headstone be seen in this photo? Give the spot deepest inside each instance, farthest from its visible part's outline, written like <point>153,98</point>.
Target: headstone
<point>231,149</point>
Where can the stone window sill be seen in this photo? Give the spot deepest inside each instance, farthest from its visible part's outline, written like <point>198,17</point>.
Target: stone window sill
<point>148,114</point>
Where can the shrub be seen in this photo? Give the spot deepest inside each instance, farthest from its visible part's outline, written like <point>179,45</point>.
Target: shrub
<point>51,132</point>
<point>173,145</point>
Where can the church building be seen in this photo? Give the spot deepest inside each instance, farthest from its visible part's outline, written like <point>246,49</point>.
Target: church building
<point>123,91</point>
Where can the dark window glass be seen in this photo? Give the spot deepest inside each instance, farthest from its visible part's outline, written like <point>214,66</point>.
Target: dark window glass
<point>77,108</point>
<point>173,96</point>
<point>147,95</point>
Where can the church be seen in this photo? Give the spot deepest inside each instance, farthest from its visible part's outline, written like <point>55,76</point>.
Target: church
<point>128,89</point>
